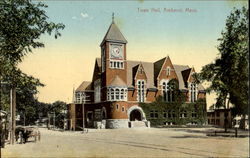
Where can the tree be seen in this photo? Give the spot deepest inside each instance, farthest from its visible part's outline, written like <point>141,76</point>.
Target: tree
<point>228,74</point>
<point>22,23</point>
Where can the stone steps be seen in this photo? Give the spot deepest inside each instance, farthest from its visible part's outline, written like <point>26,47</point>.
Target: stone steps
<point>138,124</point>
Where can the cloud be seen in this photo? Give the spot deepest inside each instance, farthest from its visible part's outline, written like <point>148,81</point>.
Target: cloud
<point>84,15</point>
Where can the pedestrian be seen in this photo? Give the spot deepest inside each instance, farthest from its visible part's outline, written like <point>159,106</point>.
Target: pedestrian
<point>20,138</point>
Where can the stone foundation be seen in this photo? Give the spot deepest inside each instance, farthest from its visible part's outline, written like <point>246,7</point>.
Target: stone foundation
<point>117,123</point>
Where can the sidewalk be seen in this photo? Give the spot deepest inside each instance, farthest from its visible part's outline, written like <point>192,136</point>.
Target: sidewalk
<point>230,133</point>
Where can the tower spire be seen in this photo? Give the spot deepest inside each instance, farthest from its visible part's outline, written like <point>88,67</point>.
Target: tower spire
<point>113,17</point>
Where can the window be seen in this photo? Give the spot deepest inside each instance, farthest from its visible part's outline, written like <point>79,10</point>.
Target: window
<point>169,115</point>
<point>122,94</point>
<point>165,114</point>
<point>117,94</point>
<point>123,109</point>
<point>183,114</point>
<point>168,71</point>
<point>116,64</point>
<point>112,94</point>
<point>117,106</point>
<point>194,114</point>
<point>141,90</point>
<point>167,92</point>
<point>78,97</point>
<point>154,114</point>
<point>193,91</point>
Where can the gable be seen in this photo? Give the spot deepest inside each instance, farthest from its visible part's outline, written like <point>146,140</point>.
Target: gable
<point>97,70</point>
<point>148,70</point>
<point>139,73</point>
<point>163,74</point>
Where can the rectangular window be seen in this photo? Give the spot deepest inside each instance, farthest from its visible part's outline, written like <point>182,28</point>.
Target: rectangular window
<point>152,114</point>
<point>165,114</point>
<point>140,90</point>
<point>194,115</point>
<point>168,71</point>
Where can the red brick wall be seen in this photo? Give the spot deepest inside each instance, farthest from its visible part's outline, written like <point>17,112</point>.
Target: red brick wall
<point>111,73</point>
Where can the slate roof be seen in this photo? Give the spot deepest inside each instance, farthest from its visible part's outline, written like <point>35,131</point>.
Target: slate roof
<point>185,74</point>
<point>182,72</point>
<point>117,81</point>
<point>178,70</point>
<point>85,85</point>
<point>157,66</point>
<point>114,34</point>
<point>99,63</point>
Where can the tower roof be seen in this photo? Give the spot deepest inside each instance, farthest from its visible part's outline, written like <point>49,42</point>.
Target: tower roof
<point>114,34</point>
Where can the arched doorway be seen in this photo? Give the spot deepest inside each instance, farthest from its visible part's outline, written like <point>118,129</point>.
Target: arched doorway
<point>135,115</point>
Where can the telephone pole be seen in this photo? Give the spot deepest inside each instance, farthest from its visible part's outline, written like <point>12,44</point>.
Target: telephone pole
<point>13,114</point>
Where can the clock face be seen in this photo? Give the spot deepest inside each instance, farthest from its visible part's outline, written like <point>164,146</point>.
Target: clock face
<point>116,52</point>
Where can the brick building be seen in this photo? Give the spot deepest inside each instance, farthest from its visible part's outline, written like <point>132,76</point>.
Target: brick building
<point>118,85</point>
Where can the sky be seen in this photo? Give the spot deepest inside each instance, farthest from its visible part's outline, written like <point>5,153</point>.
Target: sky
<point>186,31</point>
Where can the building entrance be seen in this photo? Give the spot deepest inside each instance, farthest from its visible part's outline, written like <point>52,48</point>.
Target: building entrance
<point>135,115</point>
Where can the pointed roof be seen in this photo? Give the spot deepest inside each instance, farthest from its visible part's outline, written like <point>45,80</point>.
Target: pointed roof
<point>85,85</point>
<point>186,74</point>
<point>117,81</point>
<point>158,65</point>
<point>114,34</point>
<point>178,70</point>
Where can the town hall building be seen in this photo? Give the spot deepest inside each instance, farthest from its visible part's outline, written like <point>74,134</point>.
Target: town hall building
<point>118,86</point>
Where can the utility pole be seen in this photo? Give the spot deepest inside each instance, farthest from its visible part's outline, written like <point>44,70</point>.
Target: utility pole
<point>13,114</point>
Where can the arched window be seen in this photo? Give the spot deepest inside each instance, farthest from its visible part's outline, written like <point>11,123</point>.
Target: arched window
<point>167,92</point>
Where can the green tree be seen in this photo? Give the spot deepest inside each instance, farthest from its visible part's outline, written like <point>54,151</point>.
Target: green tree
<point>228,74</point>
<point>21,25</point>
<point>22,22</point>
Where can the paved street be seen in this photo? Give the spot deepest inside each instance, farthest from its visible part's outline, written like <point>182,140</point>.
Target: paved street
<point>130,143</point>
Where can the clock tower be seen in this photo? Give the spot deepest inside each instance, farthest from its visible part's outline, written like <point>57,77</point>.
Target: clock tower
<point>113,56</point>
